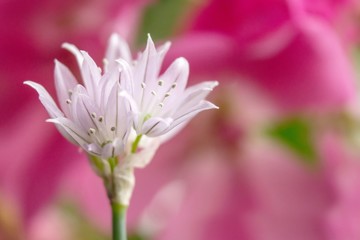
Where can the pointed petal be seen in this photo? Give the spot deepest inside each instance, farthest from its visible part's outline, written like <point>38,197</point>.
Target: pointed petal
<point>174,82</point>
<point>91,76</point>
<point>146,69</point>
<point>64,83</point>
<point>195,94</point>
<point>45,98</point>
<point>187,114</point>
<point>117,48</point>
<point>107,83</point>
<point>126,76</point>
<point>177,73</point>
<point>74,50</point>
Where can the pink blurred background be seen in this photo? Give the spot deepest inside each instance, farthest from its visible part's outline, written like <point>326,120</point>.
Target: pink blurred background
<point>280,160</point>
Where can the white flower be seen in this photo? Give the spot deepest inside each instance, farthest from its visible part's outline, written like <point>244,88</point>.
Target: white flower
<point>95,116</point>
<point>161,102</point>
<point>121,117</point>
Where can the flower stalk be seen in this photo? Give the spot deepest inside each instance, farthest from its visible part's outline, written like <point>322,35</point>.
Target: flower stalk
<point>118,221</point>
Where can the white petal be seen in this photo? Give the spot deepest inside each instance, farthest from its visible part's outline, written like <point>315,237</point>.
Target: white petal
<point>178,73</point>
<point>108,151</point>
<point>107,83</point>
<point>45,98</point>
<point>187,114</point>
<point>126,76</point>
<point>117,113</point>
<point>82,108</point>
<point>144,156</point>
<point>72,130</point>
<point>117,48</point>
<point>94,149</point>
<point>153,127</point>
<point>64,82</point>
<point>195,94</point>
<point>74,50</point>
<point>91,76</point>
<point>146,70</point>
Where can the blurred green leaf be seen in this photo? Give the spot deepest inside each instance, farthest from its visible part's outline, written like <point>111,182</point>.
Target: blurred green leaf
<point>82,227</point>
<point>161,19</point>
<point>296,134</point>
<point>135,236</point>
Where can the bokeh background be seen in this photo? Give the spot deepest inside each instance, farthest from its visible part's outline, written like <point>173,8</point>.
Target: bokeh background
<point>280,160</point>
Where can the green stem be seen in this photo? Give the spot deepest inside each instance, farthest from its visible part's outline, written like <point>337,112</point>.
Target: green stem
<point>118,221</point>
<point>136,143</point>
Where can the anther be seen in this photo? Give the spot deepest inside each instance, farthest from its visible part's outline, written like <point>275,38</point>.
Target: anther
<point>167,94</point>
<point>160,82</point>
<point>68,101</point>
<point>153,93</point>
<point>143,85</point>
<point>91,131</point>
<point>112,129</point>
<point>161,105</point>
<point>173,85</point>
<point>101,119</point>
<point>93,115</point>
<point>70,92</point>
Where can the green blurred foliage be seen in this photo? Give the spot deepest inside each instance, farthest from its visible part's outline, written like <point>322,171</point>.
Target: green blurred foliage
<point>162,18</point>
<point>296,134</point>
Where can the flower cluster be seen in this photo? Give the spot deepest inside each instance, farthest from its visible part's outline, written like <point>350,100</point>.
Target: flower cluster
<point>121,114</point>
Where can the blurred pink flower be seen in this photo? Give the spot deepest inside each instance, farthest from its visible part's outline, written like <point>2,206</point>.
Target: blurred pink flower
<point>289,48</point>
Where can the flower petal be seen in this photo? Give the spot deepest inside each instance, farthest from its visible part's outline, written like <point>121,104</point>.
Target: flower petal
<point>195,94</point>
<point>91,76</point>
<point>117,113</point>
<point>155,126</point>
<point>65,82</point>
<point>147,68</point>
<point>117,48</point>
<point>174,82</point>
<point>45,98</point>
<point>74,50</point>
<point>126,76</point>
<point>187,114</point>
<point>71,131</point>
<point>144,156</point>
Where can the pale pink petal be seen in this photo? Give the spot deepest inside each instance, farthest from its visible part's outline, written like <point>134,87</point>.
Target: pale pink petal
<point>65,82</point>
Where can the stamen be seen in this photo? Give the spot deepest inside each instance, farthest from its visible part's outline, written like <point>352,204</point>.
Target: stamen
<point>160,82</point>
<point>91,131</point>
<point>143,85</point>
<point>105,61</point>
<point>101,119</point>
<point>68,101</point>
